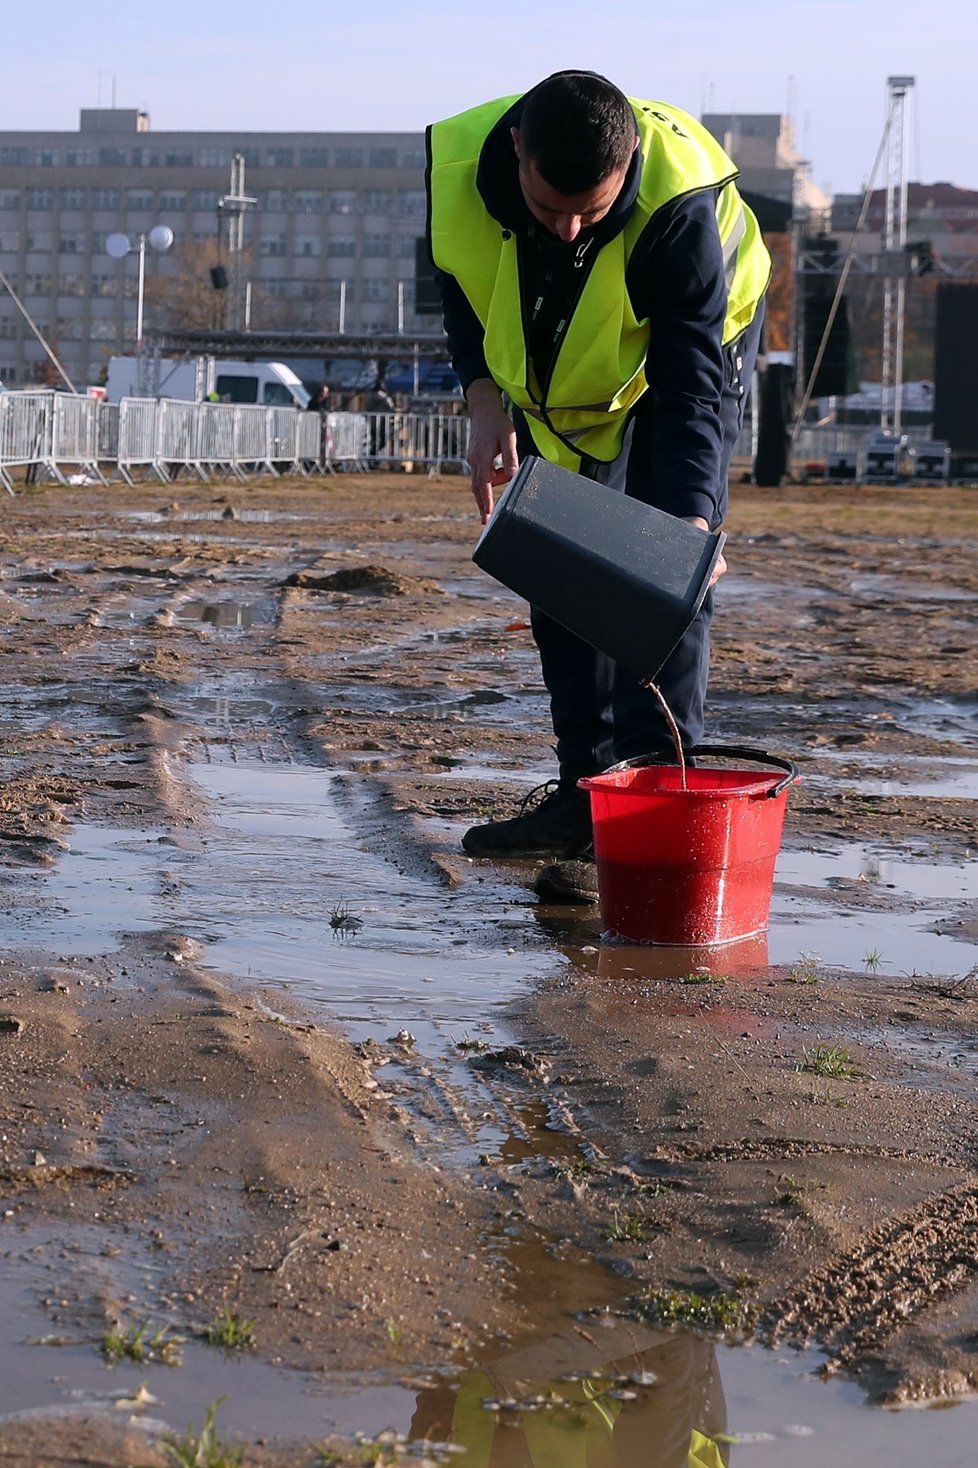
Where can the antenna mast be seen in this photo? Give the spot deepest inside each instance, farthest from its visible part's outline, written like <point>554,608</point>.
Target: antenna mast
<point>899,90</point>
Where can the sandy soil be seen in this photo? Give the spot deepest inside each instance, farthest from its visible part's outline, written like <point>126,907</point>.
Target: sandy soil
<point>253,1149</point>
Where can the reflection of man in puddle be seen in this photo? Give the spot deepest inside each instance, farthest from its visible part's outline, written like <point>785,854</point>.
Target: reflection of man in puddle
<point>596,1405</point>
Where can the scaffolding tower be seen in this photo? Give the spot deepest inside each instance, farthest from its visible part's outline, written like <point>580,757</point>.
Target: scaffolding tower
<point>899,92</point>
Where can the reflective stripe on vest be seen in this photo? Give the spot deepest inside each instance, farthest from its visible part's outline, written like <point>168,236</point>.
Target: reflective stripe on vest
<point>599,373</point>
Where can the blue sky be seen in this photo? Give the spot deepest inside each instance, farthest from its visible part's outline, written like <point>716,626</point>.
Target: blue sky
<point>274,67</point>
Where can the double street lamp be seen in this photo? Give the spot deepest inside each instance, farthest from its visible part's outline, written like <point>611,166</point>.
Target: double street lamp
<point>159,238</point>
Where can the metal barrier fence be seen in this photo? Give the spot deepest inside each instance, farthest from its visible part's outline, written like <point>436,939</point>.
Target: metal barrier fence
<point>55,435</point>
<point>48,433</point>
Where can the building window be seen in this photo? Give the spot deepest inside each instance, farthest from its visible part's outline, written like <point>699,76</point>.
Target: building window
<point>205,198</point>
<point>383,157</point>
<point>178,160</point>
<point>273,201</point>
<point>70,244</point>
<point>314,157</point>
<point>377,246</point>
<point>342,201</point>
<point>175,203</point>
<point>111,158</point>
<point>139,199</point>
<point>275,246</point>
<point>413,203</point>
<point>72,198</point>
<point>376,290</point>
<point>9,198</point>
<point>280,157</point>
<point>213,157</point>
<point>107,199</point>
<point>348,158</point>
<point>40,199</point>
<point>15,157</point>
<point>307,245</point>
<point>342,247</point>
<point>308,203</point>
<point>411,159</point>
<point>45,158</point>
<point>377,201</point>
<point>80,157</point>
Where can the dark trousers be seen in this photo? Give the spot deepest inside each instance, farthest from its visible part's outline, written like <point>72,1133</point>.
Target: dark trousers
<point>600,712</point>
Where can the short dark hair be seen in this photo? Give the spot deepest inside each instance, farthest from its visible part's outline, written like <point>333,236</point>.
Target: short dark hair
<point>578,129</point>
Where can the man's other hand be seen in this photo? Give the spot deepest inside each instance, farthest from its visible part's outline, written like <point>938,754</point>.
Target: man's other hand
<point>492,443</point>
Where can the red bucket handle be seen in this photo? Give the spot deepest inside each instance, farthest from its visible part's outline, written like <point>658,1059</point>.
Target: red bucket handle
<point>727,751</point>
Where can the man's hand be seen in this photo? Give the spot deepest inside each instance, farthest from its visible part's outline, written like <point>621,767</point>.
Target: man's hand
<point>720,568</point>
<point>491,437</point>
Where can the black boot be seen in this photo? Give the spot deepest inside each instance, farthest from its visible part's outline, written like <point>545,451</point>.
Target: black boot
<point>557,823</point>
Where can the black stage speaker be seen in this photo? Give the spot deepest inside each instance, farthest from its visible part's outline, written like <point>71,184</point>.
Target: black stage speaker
<point>777,414</point>
<point>956,367</point>
<point>836,373</point>
<point>219,278</point>
<point>427,296</point>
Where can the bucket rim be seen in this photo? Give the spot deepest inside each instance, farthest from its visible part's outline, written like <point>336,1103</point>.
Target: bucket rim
<point>718,751</point>
<point>754,784</point>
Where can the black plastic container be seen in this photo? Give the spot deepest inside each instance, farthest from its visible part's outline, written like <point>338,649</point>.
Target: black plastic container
<point>623,576</point>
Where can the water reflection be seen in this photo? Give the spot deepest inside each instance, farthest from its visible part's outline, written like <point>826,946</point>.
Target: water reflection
<point>586,1398</point>
<point>688,964</point>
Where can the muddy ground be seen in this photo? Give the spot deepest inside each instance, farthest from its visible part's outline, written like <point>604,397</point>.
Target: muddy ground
<point>151,1111</point>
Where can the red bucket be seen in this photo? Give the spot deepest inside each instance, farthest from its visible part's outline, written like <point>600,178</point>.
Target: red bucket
<point>687,866</point>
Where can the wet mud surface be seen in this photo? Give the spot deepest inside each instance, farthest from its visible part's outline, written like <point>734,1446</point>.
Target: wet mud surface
<point>368,1095</point>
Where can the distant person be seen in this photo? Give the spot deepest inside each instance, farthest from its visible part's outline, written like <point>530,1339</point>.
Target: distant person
<point>378,402</point>
<point>319,402</point>
<point>602,285</point>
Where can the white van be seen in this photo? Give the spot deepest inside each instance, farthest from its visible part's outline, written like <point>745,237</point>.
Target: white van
<point>193,379</point>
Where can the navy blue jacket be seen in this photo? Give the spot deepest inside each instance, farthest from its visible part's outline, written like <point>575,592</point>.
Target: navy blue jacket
<point>675,280</point>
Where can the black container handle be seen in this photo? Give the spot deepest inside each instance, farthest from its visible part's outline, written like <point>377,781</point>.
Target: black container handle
<point>728,751</point>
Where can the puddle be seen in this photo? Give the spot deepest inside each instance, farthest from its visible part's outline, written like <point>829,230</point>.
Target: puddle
<point>608,1383</point>
<point>955,779</point>
<point>878,868</point>
<point>178,516</point>
<point>904,587</point>
<point>218,614</point>
<point>259,893</point>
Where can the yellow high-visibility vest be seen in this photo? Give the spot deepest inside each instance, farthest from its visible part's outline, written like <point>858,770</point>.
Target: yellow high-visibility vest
<point>599,373</point>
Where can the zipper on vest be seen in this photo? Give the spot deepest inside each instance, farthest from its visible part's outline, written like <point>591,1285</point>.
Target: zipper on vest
<point>584,260</point>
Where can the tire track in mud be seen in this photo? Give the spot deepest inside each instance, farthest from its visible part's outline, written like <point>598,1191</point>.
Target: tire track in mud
<point>853,1305</point>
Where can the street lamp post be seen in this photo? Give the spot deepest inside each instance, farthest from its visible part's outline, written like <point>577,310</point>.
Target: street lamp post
<point>118,246</point>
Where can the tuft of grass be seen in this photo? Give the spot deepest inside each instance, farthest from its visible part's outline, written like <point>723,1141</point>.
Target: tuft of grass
<point>203,1449</point>
<point>343,919</point>
<point>828,1060</point>
<point>230,1332</point>
<point>468,1044</point>
<point>137,1344</point>
<point>806,971</point>
<point>873,960</point>
<point>625,1228</point>
<point>394,1332</point>
<point>711,1313</point>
